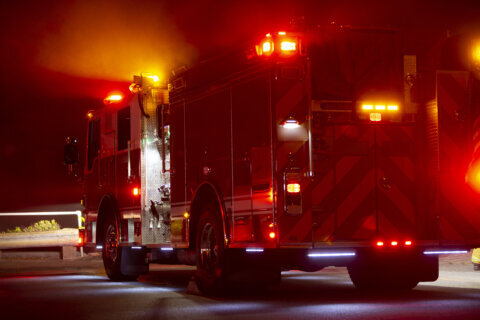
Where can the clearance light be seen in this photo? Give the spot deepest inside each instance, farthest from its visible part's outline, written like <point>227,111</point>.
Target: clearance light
<point>408,243</point>
<point>288,46</point>
<point>186,215</point>
<point>89,115</point>
<point>380,107</point>
<point>254,250</point>
<point>272,235</point>
<point>446,252</point>
<point>392,108</point>
<point>113,98</point>
<point>291,124</point>
<point>331,254</point>
<point>375,117</point>
<point>293,188</point>
<point>367,107</point>
<point>380,244</point>
<point>394,243</point>
<point>99,247</point>
<point>136,191</point>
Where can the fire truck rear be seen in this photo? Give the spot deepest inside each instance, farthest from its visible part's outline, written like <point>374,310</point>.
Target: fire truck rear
<point>308,150</point>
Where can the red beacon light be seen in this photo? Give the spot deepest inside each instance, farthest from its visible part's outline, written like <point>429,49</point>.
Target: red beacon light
<point>114,98</point>
<point>136,191</point>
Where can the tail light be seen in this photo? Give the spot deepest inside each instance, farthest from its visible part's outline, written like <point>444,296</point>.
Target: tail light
<point>394,243</point>
<point>81,237</point>
<point>136,191</point>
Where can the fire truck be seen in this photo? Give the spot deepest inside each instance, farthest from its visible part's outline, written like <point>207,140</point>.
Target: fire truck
<point>306,150</point>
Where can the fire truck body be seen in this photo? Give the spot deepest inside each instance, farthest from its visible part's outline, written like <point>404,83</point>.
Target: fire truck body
<point>311,150</point>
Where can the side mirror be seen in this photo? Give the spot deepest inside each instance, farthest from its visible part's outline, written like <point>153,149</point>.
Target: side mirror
<point>70,151</point>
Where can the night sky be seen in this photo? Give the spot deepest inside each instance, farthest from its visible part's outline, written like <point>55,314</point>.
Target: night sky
<point>59,59</point>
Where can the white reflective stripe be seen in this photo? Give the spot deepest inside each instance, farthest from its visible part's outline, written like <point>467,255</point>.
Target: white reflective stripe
<point>47,213</point>
<point>331,254</point>
<point>166,249</point>
<point>137,248</point>
<point>99,247</point>
<point>254,249</point>
<point>446,252</point>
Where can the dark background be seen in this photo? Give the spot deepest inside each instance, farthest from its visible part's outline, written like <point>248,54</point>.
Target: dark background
<point>59,59</point>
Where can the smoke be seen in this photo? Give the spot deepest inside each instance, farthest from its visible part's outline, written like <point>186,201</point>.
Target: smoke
<point>113,40</point>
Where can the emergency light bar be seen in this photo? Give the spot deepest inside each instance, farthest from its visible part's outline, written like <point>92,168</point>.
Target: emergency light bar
<point>281,44</point>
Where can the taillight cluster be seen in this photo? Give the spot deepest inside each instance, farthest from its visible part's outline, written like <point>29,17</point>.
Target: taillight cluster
<point>394,243</point>
<point>281,43</point>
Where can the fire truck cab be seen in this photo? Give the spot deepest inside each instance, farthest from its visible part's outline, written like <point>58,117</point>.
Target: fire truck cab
<point>307,150</point>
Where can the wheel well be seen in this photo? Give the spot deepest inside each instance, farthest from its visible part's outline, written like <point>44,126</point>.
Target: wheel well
<point>206,194</point>
<point>107,209</point>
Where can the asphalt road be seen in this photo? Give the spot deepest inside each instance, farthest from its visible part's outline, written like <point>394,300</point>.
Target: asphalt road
<point>78,289</point>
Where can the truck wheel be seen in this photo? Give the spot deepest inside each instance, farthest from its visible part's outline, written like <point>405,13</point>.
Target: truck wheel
<point>366,277</point>
<point>112,253</point>
<point>210,252</point>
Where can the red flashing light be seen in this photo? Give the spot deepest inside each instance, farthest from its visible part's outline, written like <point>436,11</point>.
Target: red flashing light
<point>394,243</point>
<point>380,244</point>
<point>375,117</point>
<point>136,191</point>
<point>408,243</point>
<point>114,98</point>
<point>293,188</point>
<point>288,46</point>
<point>272,235</point>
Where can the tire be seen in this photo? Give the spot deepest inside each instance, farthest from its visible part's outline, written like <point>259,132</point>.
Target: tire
<point>210,252</point>
<point>112,253</point>
<point>375,277</point>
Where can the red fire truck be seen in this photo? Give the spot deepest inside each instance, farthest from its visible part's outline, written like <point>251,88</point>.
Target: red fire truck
<point>306,150</point>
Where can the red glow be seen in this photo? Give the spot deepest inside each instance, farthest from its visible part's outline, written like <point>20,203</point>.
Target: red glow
<point>380,243</point>
<point>136,191</point>
<point>113,98</point>
<point>272,235</point>
<point>472,177</point>
<point>394,243</point>
<point>408,243</point>
<point>375,117</point>
<point>80,240</point>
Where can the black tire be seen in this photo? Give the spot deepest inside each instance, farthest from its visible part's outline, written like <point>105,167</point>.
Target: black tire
<point>210,252</point>
<point>112,252</point>
<point>374,277</point>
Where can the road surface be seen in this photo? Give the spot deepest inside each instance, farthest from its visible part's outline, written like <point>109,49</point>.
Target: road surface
<point>79,289</point>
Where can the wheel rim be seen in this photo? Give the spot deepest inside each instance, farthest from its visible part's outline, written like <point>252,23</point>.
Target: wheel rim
<point>111,243</point>
<point>208,248</point>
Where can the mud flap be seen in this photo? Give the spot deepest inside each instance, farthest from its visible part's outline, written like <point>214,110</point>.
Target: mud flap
<point>133,262</point>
